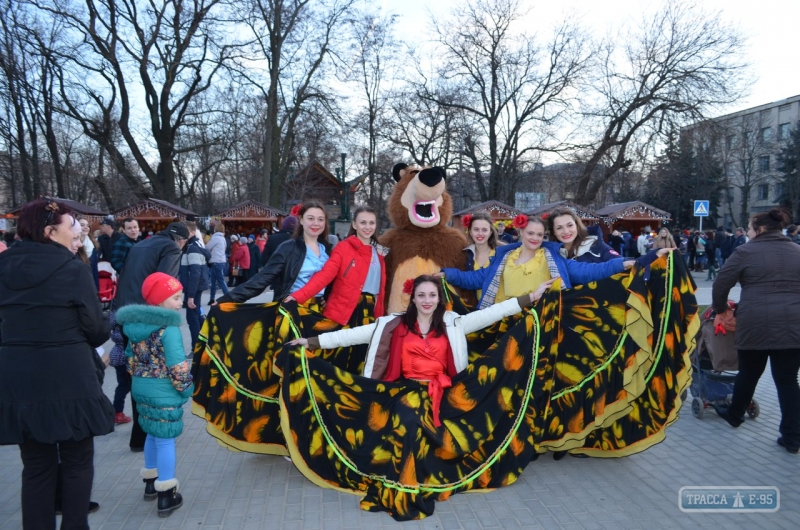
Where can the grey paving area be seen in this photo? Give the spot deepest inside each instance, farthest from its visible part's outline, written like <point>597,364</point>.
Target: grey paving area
<point>225,490</point>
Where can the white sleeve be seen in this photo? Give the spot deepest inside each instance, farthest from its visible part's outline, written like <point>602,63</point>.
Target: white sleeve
<point>347,337</point>
<point>485,317</point>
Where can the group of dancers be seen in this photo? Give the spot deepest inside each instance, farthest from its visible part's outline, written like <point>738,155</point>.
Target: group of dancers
<point>570,349</point>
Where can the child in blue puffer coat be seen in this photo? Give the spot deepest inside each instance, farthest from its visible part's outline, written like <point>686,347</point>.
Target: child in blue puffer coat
<point>161,382</point>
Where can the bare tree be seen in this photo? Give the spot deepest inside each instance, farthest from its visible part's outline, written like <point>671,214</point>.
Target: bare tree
<point>746,148</point>
<point>374,49</point>
<point>788,162</point>
<point>504,78</point>
<point>429,132</point>
<point>167,50</point>
<point>18,66</point>
<point>294,38</point>
<point>677,66</point>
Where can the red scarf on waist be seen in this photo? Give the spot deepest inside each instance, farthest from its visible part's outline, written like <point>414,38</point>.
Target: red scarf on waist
<point>437,384</point>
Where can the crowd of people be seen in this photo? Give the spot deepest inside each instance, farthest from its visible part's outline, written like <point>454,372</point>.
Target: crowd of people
<point>52,329</point>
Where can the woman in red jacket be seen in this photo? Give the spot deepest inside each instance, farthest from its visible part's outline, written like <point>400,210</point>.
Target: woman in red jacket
<point>240,256</point>
<point>357,273</point>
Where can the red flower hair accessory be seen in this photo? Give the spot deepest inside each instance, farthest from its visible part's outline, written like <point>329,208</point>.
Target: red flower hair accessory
<point>545,216</point>
<point>466,220</point>
<point>295,210</point>
<point>521,221</point>
<point>408,286</point>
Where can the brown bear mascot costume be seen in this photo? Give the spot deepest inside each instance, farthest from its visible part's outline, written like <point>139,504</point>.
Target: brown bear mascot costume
<point>420,242</point>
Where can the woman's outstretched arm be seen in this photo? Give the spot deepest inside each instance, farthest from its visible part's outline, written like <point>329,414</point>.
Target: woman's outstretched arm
<point>338,339</point>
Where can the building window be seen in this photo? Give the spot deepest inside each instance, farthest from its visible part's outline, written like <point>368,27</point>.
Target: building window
<point>762,192</point>
<point>730,142</point>
<point>766,134</point>
<point>778,191</point>
<point>783,131</point>
<point>729,222</point>
<point>730,195</point>
<point>763,163</point>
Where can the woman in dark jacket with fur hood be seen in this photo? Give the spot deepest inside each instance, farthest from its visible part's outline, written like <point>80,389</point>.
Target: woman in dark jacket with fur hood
<point>51,399</point>
<point>766,268</point>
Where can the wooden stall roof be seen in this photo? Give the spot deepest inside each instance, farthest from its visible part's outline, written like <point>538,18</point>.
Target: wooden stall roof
<point>315,181</point>
<point>153,209</point>
<point>250,210</point>
<point>584,213</point>
<point>496,209</point>
<point>632,211</point>
<point>75,206</point>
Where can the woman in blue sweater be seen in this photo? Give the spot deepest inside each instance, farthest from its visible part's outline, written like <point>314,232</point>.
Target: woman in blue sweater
<point>530,262</point>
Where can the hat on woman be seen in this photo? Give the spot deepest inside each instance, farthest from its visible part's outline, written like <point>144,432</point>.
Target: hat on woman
<point>158,287</point>
<point>234,237</point>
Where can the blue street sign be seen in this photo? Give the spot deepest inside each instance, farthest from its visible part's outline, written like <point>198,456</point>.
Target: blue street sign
<point>701,208</point>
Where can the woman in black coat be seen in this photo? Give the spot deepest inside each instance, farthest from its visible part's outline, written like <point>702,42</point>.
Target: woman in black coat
<point>766,268</point>
<point>290,261</point>
<point>51,398</point>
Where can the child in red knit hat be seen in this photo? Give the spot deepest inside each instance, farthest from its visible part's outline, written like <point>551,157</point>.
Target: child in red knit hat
<point>161,383</point>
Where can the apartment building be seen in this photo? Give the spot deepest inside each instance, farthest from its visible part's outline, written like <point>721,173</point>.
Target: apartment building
<point>746,143</point>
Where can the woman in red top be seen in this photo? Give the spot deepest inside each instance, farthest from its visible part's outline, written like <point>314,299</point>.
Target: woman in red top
<point>356,273</point>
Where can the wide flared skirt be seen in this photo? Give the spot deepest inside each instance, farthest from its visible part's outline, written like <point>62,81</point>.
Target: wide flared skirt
<point>597,369</point>
<point>236,389</point>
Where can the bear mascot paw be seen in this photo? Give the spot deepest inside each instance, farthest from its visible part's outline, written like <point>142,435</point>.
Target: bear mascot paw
<point>420,242</point>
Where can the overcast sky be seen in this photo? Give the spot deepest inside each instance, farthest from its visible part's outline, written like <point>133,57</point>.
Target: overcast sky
<point>769,25</point>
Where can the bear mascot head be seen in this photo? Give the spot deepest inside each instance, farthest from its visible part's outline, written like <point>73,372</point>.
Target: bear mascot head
<point>420,242</point>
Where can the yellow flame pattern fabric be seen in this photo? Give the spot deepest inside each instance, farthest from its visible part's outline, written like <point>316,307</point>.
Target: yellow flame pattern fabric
<point>598,369</point>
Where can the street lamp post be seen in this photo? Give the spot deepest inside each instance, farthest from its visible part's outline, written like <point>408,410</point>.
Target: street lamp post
<point>345,210</point>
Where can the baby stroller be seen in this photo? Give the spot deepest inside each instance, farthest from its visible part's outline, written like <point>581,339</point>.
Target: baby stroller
<point>108,284</point>
<point>714,363</point>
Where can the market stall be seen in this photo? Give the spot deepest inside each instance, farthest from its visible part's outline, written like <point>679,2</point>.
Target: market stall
<point>499,211</point>
<point>250,217</point>
<point>585,214</point>
<point>632,217</point>
<point>153,215</point>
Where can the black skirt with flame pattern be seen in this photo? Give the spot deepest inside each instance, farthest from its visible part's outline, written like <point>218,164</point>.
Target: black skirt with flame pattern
<point>598,369</point>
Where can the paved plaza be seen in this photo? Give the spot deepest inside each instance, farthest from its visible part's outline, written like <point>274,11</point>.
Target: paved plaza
<point>231,491</point>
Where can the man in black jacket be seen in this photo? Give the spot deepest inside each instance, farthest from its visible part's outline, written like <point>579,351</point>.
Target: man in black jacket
<point>719,242</point>
<point>108,238</point>
<point>160,253</point>
<point>727,246</point>
<point>255,256</point>
<point>739,240</point>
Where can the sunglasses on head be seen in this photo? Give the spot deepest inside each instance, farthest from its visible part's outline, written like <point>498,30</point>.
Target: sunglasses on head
<point>52,208</point>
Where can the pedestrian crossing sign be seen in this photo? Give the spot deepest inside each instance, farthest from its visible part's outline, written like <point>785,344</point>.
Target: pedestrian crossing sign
<point>701,208</point>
